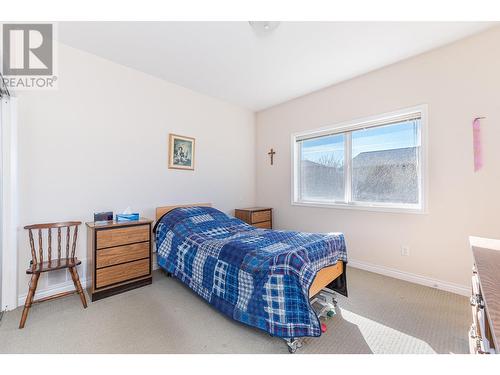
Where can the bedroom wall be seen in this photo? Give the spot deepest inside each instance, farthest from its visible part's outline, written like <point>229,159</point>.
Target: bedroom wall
<point>99,142</point>
<point>458,82</point>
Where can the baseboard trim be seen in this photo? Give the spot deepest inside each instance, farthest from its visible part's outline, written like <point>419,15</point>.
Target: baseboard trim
<point>382,270</point>
<point>155,262</point>
<point>54,289</point>
<point>411,277</point>
<point>66,286</point>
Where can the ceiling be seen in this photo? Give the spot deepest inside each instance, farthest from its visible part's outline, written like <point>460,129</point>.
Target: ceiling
<point>230,61</point>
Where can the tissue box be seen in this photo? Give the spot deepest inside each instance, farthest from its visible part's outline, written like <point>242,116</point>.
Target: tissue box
<point>127,217</point>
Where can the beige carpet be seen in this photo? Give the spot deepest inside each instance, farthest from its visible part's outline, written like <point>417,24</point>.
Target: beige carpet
<point>381,315</point>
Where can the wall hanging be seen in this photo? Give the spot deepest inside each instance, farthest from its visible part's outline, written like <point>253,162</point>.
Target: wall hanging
<point>476,137</point>
<point>181,152</point>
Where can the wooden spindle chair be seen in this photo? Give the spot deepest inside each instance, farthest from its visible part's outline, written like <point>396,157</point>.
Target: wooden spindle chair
<point>39,266</point>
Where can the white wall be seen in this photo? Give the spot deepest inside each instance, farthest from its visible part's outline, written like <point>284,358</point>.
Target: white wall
<point>99,142</point>
<point>458,82</point>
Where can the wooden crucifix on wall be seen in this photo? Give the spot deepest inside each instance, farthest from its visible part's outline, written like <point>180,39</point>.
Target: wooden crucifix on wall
<point>271,154</point>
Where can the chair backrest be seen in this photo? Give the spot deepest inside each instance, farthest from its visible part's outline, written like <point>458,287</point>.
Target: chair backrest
<point>60,228</point>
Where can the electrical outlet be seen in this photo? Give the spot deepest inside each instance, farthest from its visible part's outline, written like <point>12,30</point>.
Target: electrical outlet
<point>405,251</point>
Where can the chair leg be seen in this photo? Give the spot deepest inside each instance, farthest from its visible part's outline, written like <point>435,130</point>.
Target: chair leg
<point>78,286</point>
<point>29,299</point>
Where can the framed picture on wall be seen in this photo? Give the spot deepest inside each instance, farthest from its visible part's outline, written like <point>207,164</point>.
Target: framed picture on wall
<point>181,152</point>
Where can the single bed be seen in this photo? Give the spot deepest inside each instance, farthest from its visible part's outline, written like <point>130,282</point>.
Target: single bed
<point>260,277</point>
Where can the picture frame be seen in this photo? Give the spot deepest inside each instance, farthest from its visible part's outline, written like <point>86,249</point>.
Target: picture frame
<point>181,152</point>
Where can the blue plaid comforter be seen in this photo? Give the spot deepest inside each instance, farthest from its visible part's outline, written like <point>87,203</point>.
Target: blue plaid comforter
<point>256,276</point>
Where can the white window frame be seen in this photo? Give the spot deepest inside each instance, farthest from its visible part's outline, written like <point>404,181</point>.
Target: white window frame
<point>347,127</point>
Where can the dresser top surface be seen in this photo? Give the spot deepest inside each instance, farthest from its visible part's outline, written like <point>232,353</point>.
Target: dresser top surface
<point>488,269</point>
<point>254,209</point>
<point>117,224</point>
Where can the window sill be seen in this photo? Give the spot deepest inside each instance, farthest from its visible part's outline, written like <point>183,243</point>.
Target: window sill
<point>403,209</point>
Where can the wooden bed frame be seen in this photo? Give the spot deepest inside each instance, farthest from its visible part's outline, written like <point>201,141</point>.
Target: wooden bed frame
<point>160,211</point>
<point>323,278</point>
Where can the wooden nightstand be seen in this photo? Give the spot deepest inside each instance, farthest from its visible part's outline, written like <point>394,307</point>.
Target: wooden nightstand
<point>260,217</point>
<point>119,255</point>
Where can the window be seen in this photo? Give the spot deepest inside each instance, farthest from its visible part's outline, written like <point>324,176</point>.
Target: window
<point>374,163</point>
<point>322,168</point>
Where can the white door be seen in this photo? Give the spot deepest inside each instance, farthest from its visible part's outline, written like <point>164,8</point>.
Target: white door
<point>1,216</point>
<point>8,204</point>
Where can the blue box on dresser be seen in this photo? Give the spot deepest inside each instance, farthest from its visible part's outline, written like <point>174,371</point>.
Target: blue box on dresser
<point>127,217</point>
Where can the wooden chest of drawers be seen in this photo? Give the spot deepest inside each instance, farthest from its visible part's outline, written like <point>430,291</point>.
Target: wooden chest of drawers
<point>260,217</point>
<point>485,300</point>
<point>119,255</point>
